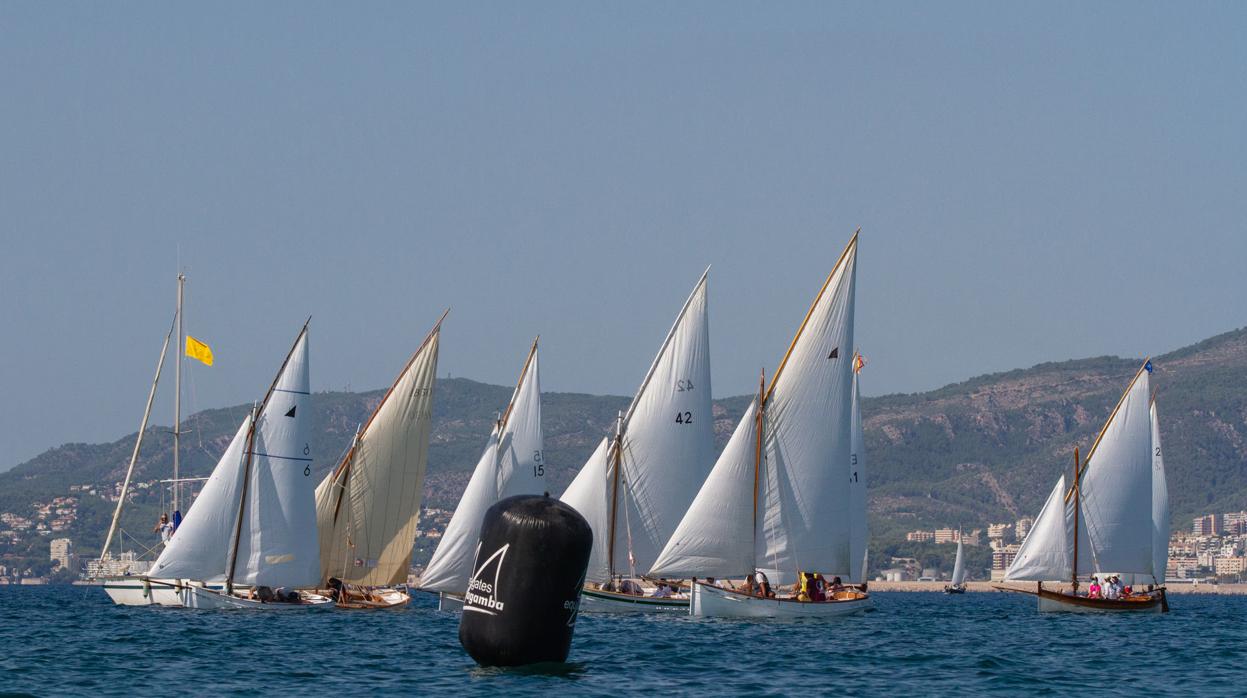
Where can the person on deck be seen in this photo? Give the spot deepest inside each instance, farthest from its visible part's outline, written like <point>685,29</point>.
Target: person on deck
<point>836,585</point>
<point>164,528</point>
<point>763,585</point>
<point>662,591</point>
<point>1113,591</point>
<point>1094,591</point>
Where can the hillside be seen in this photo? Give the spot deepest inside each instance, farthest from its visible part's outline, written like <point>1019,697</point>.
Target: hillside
<point>987,449</point>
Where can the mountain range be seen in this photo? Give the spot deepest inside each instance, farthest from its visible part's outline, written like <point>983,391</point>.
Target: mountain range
<point>984,450</point>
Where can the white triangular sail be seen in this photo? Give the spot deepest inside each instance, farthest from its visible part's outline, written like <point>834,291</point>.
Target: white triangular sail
<point>1160,504</point>
<point>589,494</point>
<point>277,544</point>
<point>368,507</point>
<point>859,534</point>
<point>513,463</point>
<point>1045,553</point>
<point>201,545</point>
<point>800,517</point>
<point>805,515</point>
<point>1116,488</point>
<point>959,565</point>
<point>716,537</point>
<point>666,447</point>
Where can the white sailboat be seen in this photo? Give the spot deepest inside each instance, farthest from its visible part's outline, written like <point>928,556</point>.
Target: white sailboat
<point>958,582</point>
<point>254,523</point>
<point>513,463</point>
<point>778,499</point>
<point>1106,522</point>
<point>131,588</point>
<point>368,507</point>
<point>635,487</point>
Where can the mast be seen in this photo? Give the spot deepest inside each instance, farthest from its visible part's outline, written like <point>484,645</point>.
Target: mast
<point>757,460</point>
<point>138,444</point>
<point>1077,506</point>
<point>242,499</point>
<point>177,397</point>
<point>502,419</point>
<point>610,545</point>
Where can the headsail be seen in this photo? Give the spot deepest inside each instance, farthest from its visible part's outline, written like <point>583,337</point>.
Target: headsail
<point>666,446</point>
<point>368,507</point>
<point>1045,553</point>
<point>589,495</point>
<point>513,463</point>
<point>859,534</point>
<point>277,543</point>
<point>201,545</point>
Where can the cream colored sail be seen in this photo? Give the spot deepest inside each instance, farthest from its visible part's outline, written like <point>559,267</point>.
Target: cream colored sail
<point>368,507</point>
<point>589,494</point>
<point>513,463</point>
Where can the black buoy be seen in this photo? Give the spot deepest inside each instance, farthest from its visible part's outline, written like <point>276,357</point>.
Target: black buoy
<point>523,594</point>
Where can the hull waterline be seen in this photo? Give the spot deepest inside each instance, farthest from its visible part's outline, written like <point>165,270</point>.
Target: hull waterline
<point>598,601</point>
<point>711,601</point>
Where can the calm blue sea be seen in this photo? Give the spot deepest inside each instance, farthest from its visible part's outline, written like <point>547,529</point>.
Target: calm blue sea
<point>72,640</point>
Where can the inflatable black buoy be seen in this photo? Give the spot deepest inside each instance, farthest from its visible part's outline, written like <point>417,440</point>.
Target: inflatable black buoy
<point>523,594</point>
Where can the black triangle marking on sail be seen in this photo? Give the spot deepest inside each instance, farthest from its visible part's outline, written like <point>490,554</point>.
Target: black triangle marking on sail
<point>291,412</point>
<point>835,353</point>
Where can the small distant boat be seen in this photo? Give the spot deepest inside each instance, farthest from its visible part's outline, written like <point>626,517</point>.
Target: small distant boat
<point>1113,519</point>
<point>513,463</point>
<point>254,523</point>
<point>368,506</point>
<point>779,500</point>
<point>636,486</point>
<point>958,582</point>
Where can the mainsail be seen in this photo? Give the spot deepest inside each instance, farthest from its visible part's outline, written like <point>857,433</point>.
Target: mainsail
<point>859,534</point>
<point>1109,506</point>
<point>368,507</point>
<point>661,453</point>
<point>959,566</point>
<point>778,497</point>
<point>254,523</point>
<point>513,463</point>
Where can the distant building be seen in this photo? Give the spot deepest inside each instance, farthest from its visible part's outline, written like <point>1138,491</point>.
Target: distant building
<point>1207,525</point>
<point>1023,527</point>
<point>973,537</point>
<point>920,536</point>
<point>946,535</point>
<point>998,531</point>
<point>62,550</point>
<point>1235,523</point>
<point>1002,557</point>
<point>1229,565</point>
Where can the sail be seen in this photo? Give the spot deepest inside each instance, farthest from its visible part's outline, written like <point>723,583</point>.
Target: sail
<point>959,566</point>
<point>668,440</point>
<point>859,534</point>
<point>716,537</point>
<point>1045,554</point>
<point>589,494</point>
<point>369,506</point>
<point>1116,488</point>
<point>513,463</point>
<point>451,565</point>
<point>1160,504</point>
<point>277,543</point>
<point>806,517</point>
<point>199,548</point>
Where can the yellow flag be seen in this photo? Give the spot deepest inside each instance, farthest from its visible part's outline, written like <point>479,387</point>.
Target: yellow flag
<point>198,350</point>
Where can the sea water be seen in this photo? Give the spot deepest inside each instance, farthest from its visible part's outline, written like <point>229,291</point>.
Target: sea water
<point>73,641</point>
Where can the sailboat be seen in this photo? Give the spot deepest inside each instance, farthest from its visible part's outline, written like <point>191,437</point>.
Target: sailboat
<point>958,582</point>
<point>368,507</point>
<point>636,486</point>
<point>1109,521</point>
<point>513,463</point>
<point>254,523</point>
<point>777,502</point>
<point>131,588</point>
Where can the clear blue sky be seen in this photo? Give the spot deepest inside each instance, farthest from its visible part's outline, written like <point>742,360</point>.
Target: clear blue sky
<point>1033,182</point>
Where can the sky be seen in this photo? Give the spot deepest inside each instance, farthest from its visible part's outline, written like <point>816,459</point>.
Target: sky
<point>1033,182</point>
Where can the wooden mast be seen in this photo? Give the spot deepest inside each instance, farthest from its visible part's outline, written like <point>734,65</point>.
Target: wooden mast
<point>610,541</point>
<point>177,397</point>
<point>502,420</point>
<point>757,461</point>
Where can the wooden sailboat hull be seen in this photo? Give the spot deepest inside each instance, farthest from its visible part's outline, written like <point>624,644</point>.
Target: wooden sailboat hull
<point>598,601</point>
<point>376,600</point>
<point>725,603</point>
<point>954,589</point>
<point>1058,602</point>
<point>207,599</point>
<point>140,591</point>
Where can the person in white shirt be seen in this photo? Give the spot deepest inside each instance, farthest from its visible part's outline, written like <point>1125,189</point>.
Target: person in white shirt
<point>164,528</point>
<point>1113,591</point>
